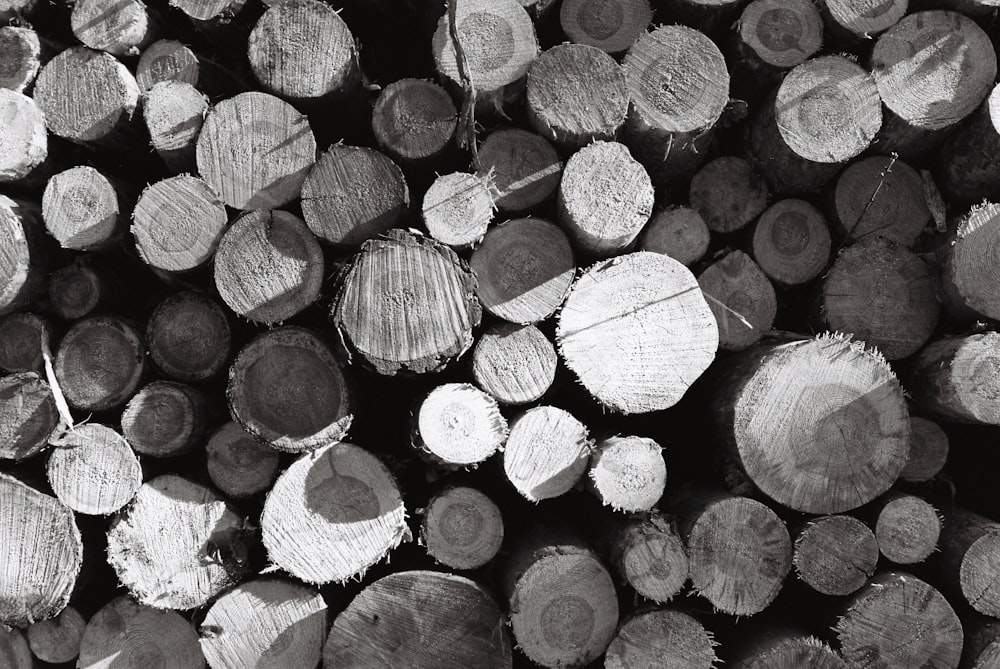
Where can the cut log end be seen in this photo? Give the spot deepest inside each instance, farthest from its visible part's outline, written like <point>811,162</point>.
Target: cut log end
<point>970,269</point>
<point>210,11</point>
<point>28,415</point>
<point>93,470</point>
<point>546,453</point>
<point>883,197</point>
<point>22,336</point>
<point>414,120</point>
<point>679,232</point>
<point>238,464</point>
<point>791,242</point>
<point>58,639</point>
<point>459,425</point>
<point>119,27</point>
<point>20,265</point>
<point>969,546</point>
<point>524,168</point>
<point>866,20</point>
<point>650,555</point>
<point>928,451</point>
<point>958,378</point>
<point>728,193</point>
<point>14,650</point>
<point>125,629</point>
<point>333,514</point>
<point>174,112</point>
<point>189,337</point>
<point>742,299</point>
<point>628,473</point>
<point>788,651</point>
<point>661,638</point>
<point>781,33</point>
<point>524,269</point>
<point>462,528</point>
<point>24,143</point>
<point>164,419</point>
<point>268,266</point>
<point>610,25</point>
<point>907,529</point>
<point>100,363</point>
<point>458,208</point>
<point>516,364</point>
<point>166,60</point>
<point>76,290</point>
<point>20,57</point>
<point>286,388</point>
<point>81,209</point>
<point>835,555</point>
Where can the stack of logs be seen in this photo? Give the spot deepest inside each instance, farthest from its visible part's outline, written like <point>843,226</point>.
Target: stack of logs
<point>499,333</point>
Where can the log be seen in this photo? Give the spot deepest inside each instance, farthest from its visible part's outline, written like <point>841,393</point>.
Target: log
<point>93,470</point>
<point>958,379</point>
<point>21,265</point>
<point>287,389</point>
<point>165,419</point>
<point>563,606</point>
<point>353,194</point>
<point>647,552</point>
<point>177,223</point>
<point>928,451</point>
<point>100,363</point>
<point>423,620</point>
<point>174,112</point>
<point>426,305</point>
<point>791,242</point>
<point>333,514</point>
<point>123,631</point>
<point>882,294</point>
<point>741,298</point>
<point>671,133</point>
<point>928,79</point>
<point>24,144</point>
<point>576,94</point>
<point>188,337</point>
<point>627,473</point>
<point>970,269</point>
<point>880,196</point>
<point>610,25</point>
<point>268,266</point>
<point>498,44</point>
<point>207,13</point>
<point>784,649</point>
<point>661,637</point>
<point>58,639</point>
<point>21,57</point>
<point>458,425</point>
<point>462,528</point>
<point>414,121</point>
<point>265,621</point>
<point>605,332</point>
<point>969,545</point>
<point>516,364</point>
<point>28,415</point>
<point>775,35</point>
<point>825,112</point>
<point>303,50</point>
<point>893,607</point>
<point>238,133</point>
<point>40,554</point>
<point>78,289</point>
<point>969,171</point>
<point>21,340</point>
<point>853,21</point>
<point>82,209</point>
<point>177,546</point>
<point>525,169</point>
<point>238,464</point>
<point>14,650</point>
<point>457,209</point>
<point>166,60</point>
<point>739,551</point>
<point>524,268</point>
<point>547,452</point>
<point>119,27</point>
<point>679,232</point>
<point>87,96</point>
<point>728,193</point>
<point>834,555</point>
<point>906,528</point>
<point>605,199</point>
<point>844,431</point>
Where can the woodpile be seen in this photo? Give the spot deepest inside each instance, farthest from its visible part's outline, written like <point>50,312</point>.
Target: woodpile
<point>456,334</point>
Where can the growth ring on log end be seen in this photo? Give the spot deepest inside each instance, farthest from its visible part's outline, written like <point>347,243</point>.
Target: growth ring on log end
<point>664,638</point>
<point>123,631</point>
<point>406,303</point>
<point>637,331</point>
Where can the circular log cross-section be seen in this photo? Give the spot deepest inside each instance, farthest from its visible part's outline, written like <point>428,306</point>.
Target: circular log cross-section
<point>863,20</point>
<point>420,620</point>
<point>100,363</point>
<point>546,453</point>
<point>77,289</point>
<point>516,364</point>
<point>333,514</point>
<point>728,193</point>
<point>524,269</point>
<point>462,528</point>
<point>661,638</point>
<point>239,464</point>
<point>265,622</point>
<point>679,232</point>
<point>124,631</point>
<point>776,35</point>
<point>27,415</point>
<point>972,264</point>
<point>177,223</point>
<point>189,337</point>
<point>958,378</point>
<point>414,120</point>
<point>174,112</point>
<point>23,142</point>
<point>303,50</point>
<point>407,303</point>
<point>178,545</point>
<point>210,12</point>
<point>607,338</point>
<point>780,649</point>
<point>928,451</point>
<point>459,425</point>
<point>352,194</point>
<point>120,27</point>
<point>20,57</point>
<point>457,209</point>
<point>268,266</point>
<point>286,388</point>
<point>610,25</point>
<point>164,419</point>
<point>895,606</point>
<point>81,209</point>
<point>40,554</point>
<point>628,473</point>
<point>880,196</point>
<point>605,198</point>
<point>969,547</point>
<point>649,554</point>
<point>835,555</point>
<point>524,167</point>
<point>791,242</point>
<point>742,299</point>
<point>21,273</point>
<point>21,338</point>
<point>844,431</point>
<point>166,60</point>
<point>93,470</point>
<point>255,150</point>
<point>57,640</point>
<point>907,528</point>
<point>970,172</point>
